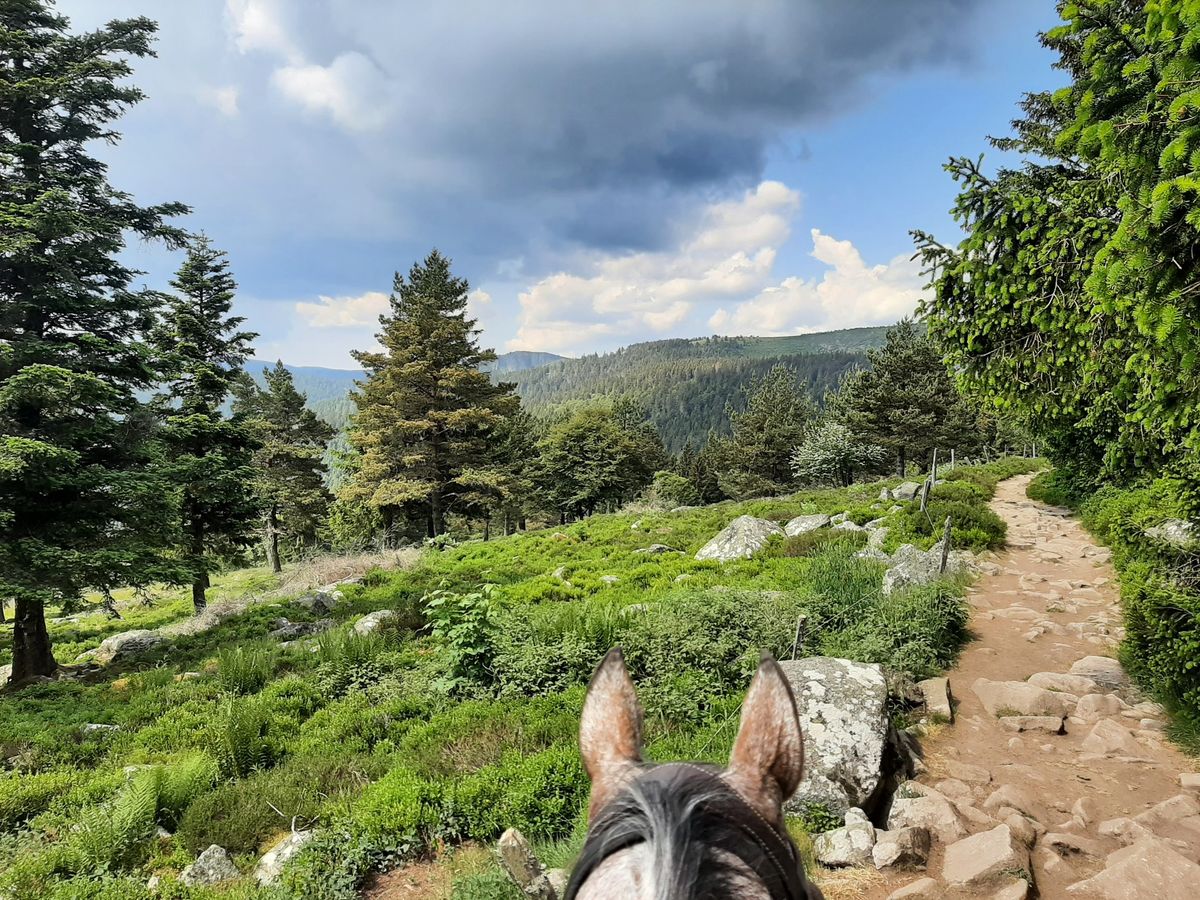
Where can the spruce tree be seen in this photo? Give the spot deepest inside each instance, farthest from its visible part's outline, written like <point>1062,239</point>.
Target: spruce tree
<point>289,464</point>
<point>426,413</point>
<point>79,505</point>
<point>906,401</point>
<point>208,456</point>
<point>755,459</point>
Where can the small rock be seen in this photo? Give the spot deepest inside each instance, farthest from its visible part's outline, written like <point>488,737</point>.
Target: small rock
<point>936,692</point>
<point>1006,698</point>
<point>1070,684</point>
<point>1102,669</point>
<point>804,524</point>
<point>1070,845</point>
<point>916,805</point>
<point>1017,889</point>
<point>850,845</point>
<point>559,574</point>
<point>371,622</point>
<point>609,579</point>
<point>318,603</point>
<point>655,549</point>
<point>188,676</point>
<point>1190,781</point>
<point>985,859</point>
<point>1022,828</point>
<point>1096,706</point>
<point>95,728</point>
<point>1018,724</point>
<point>921,889</point>
<point>1084,811</point>
<point>904,848</point>
<point>906,491</point>
<point>1108,738</point>
<point>270,867</point>
<point>212,866</point>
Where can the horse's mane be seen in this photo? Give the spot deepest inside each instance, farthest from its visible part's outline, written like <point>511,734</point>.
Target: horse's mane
<point>695,830</point>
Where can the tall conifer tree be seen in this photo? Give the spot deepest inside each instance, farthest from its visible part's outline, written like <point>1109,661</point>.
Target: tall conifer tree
<point>289,467</point>
<point>79,505</point>
<point>426,412</point>
<point>209,456</point>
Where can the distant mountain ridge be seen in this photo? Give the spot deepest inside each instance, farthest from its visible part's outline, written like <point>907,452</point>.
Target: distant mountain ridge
<point>684,383</point>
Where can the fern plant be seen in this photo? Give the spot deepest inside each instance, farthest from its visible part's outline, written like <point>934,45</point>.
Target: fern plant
<point>244,670</point>
<point>239,738</point>
<point>110,836</point>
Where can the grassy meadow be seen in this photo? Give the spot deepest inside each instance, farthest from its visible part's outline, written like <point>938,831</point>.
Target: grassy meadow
<point>454,720</point>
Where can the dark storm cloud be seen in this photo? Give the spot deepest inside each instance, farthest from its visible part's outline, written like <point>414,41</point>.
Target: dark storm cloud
<point>493,126</point>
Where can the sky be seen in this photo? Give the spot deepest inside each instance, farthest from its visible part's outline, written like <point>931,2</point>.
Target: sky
<point>601,173</point>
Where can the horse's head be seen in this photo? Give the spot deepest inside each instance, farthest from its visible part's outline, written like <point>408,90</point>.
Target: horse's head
<point>678,831</point>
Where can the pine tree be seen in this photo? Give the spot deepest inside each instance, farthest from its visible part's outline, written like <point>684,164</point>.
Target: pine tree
<point>209,457</point>
<point>755,459</point>
<point>79,505</point>
<point>289,464</point>
<point>427,413</point>
<point>906,401</point>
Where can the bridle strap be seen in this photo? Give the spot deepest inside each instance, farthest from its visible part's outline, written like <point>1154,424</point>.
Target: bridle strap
<point>762,847</point>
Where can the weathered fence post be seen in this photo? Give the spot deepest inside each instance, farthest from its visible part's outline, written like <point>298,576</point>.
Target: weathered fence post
<point>801,627</point>
<point>945,547</point>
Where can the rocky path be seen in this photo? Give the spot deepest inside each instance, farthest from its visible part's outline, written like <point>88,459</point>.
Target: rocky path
<point>1055,779</point>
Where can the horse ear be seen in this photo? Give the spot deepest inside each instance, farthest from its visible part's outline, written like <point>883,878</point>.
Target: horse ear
<point>768,756</point>
<point>610,734</point>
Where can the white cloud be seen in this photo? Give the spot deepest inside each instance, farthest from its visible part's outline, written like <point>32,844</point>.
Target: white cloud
<point>223,99</point>
<point>344,312</point>
<point>850,293</point>
<point>351,89</point>
<point>258,25</point>
<point>726,261</point>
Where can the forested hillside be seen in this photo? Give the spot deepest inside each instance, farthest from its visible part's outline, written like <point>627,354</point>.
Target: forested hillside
<point>684,385</point>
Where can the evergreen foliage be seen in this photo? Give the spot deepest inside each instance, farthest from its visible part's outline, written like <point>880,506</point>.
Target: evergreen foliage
<point>426,412</point>
<point>906,401</point>
<point>289,464</point>
<point>208,458</point>
<point>80,506</point>
<point>755,460</point>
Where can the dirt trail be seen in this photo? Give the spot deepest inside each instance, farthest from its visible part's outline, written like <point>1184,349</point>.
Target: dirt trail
<point>1050,601</point>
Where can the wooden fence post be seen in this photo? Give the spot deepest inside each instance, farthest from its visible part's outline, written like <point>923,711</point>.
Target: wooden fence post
<point>945,547</point>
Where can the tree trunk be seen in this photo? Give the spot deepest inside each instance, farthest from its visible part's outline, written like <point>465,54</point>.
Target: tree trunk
<point>199,593</point>
<point>31,653</point>
<point>487,528</point>
<point>522,525</point>
<point>273,539</point>
<point>901,464</point>
<point>437,522</point>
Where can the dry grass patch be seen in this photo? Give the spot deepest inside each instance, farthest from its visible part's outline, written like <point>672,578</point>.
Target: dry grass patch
<point>329,568</point>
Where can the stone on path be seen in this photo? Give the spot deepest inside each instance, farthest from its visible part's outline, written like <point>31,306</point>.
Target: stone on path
<point>936,692</point>
<point>850,845</point>
<point>1190,781</point>
<point>1013,797</point>
<point>987,858</point>
<point>804,524</point>
<point>1070,684</point>
<point>843,716</point>
<point>212,866</point>
<point>917,806</point>
<point>1095,706</point>
<point>1103,669</point>
<point>1001,698</point>
<point>921,889</point>
<point>740,539</point>
<point>1046,724</point>
<point>1108,738</point>
<point>904,848</point>
<point>967,772</point>
<point>1148,868</point>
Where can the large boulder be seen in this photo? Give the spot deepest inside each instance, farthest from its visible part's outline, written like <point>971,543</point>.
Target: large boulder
<point>802,524</point>
<point>319,602</point>
<point>125,644</point>
<point>1019,698</point>
<point>906,491</point>
<point>1175,533</point>
<point>988,858</point>
<point>212,866</point>
<point>740,539</point>
<point>1148,868</point>
<point>843,715</point>
<point>270,867</point>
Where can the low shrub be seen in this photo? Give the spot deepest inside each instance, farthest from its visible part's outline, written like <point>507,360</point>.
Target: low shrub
<point>23,796</point>
<point>1052,488</point>
<point>812,542</point>
<point>973,526</point>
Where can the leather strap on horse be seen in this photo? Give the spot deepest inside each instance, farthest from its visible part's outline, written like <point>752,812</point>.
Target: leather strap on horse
<point>721,820</point>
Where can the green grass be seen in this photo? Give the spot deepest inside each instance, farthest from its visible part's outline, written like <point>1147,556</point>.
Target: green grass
<point>392,745</point>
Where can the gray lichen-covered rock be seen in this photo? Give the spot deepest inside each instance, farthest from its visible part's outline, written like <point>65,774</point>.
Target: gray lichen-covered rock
<point>212,866</point>
<point>850,845</point>
<point>904,848</point>
<point>1175,533</point>
<point>912,567</point>
<point>127,643</point>
<point>371,622</point>
<point>283,630</point>
<point>843,714</point>
<point>803,524</point>
<point>740,539</point>
<point>270,867</point>
<point>655,549</point>
<point>523,867</point>
<point>906,491</point>
<point>318,602</point>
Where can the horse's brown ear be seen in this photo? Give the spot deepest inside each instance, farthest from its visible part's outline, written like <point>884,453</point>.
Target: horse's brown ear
<point>768,756</point>
<point>610,735</point>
